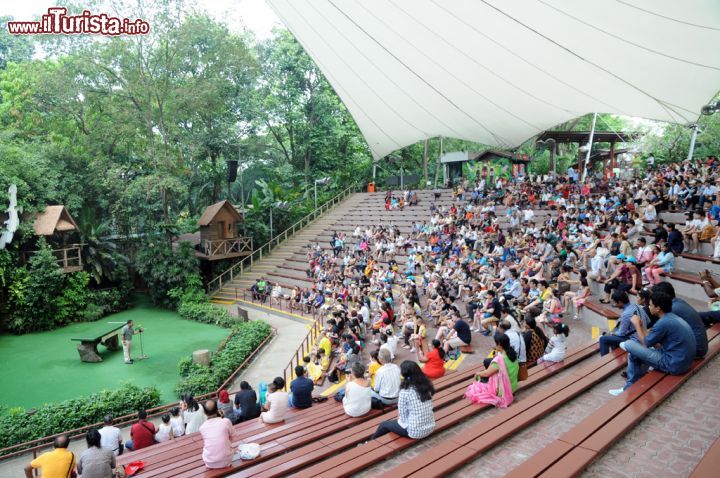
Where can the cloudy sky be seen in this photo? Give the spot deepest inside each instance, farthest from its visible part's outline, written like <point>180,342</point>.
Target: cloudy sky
<point>254,15</point>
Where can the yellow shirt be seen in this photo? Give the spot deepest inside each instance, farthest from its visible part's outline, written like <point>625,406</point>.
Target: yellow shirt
<point>55,464</point>
<point>314,371</point>
<point>545,294</point>
<point>325,345</point>
<point>374,366</point>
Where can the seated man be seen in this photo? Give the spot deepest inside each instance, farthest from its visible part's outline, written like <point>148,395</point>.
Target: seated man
<point>300,390</point>
<point>386,386</point>
<point>58,462</point>
<point>459,336</point>
<point>668,347</point>
<point>625,329</point>
<point>142,434</point>
<point>217,438</point>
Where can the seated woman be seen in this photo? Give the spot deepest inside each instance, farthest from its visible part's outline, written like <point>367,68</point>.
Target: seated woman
<point>415,410</point>
<point>577,299</point>
<point>495,385</point>
<point>535,340</point>
<point>434,360</point>
<point>551,310</point>
<point>276,403</point>
<point>357,399</point>
<point>664,263</point>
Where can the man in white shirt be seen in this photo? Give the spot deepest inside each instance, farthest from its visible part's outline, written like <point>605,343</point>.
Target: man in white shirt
<point>110,438</point>
<point>387,380</point>
<point>707,193</point>
<point>528,214</point>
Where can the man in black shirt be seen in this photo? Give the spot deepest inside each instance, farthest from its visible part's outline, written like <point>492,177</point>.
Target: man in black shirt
<point>459,335</point>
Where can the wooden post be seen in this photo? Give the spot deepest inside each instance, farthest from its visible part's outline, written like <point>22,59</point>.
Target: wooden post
<point>552,160</point>
<point>612,158</point>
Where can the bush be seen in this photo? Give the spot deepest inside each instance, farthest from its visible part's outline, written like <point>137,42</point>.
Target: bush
<point>164,269</point>
<point>206,313</point>
<point>17,426</point>
<point>243,340</point>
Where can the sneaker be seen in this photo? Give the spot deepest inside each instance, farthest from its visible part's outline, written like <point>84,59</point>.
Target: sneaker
<point>615,392</point>
<point>576,317</point>
<point>485,333</point>
<point>412,349</point>
<point>129,363</point>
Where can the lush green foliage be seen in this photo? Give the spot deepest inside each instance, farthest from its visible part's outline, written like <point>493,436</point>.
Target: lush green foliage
<point>43,297</point>
<point>18,426</point>
<point>244,339</point>
<point>164,269</point>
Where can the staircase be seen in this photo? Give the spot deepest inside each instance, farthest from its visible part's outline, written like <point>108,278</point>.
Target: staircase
<point>286,264</point>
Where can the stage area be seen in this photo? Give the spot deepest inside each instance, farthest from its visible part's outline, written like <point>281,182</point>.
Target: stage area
<point>45,367</point>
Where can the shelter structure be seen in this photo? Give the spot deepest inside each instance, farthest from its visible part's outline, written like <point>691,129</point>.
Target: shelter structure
<point>59,229</point>
<point>408,71</point>
<point>582,138</point>
<point>489,164</point>
<point>219,236</point>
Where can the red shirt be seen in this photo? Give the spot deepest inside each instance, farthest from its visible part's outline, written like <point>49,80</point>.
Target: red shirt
<point>143,434</point>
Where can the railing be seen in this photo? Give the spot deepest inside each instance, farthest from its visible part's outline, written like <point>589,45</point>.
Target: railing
<point>305,347</point>
<point>221,247</point>
<point>38,444</point>
<point>68,258</point>
<point>247,262</point>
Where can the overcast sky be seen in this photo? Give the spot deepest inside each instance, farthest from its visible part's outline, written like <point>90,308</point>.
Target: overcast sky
<point>253,14</point>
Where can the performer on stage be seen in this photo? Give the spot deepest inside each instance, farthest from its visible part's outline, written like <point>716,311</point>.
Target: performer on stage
<point>127,335</point>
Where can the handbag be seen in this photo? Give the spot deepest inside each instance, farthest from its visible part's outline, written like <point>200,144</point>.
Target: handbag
<point>522,372</point>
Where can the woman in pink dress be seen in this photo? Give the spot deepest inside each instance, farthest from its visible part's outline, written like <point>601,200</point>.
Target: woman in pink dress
<point>495,384</point>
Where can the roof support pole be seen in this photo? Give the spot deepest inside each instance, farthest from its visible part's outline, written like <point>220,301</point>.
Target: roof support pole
<point>552,161</point>
<point>590,142</point>
<point>692,141</point>
<point>613,159</point>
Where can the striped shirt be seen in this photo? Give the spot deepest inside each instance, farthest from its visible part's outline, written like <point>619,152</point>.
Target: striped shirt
<point>414,415</point>
<point>387,381</point>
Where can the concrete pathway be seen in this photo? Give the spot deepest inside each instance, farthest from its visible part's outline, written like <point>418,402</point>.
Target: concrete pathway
<point>275,356</point>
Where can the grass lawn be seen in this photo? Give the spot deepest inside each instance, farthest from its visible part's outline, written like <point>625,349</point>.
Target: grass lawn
<point>46,367</point>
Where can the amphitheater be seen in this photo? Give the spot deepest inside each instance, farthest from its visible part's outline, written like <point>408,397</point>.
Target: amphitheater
<point>562,423</point>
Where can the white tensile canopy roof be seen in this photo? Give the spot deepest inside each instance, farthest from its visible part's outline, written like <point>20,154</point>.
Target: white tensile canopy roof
<point>500,71</point>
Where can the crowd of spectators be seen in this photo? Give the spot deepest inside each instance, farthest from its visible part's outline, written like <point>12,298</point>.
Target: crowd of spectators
<point>522,277</point>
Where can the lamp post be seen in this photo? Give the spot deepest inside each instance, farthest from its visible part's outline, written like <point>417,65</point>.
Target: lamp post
<point>278,205</point>
<point>707,110</point>
<point>321,182</point>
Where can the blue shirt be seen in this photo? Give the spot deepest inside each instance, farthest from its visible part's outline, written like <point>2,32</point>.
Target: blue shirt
<point>301,389</point>
<point>677,341</point>
<point>625,325</point>
<point>685,311</point>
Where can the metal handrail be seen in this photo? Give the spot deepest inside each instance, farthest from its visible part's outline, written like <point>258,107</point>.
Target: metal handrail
<point>305,347</point>
<point>248,261</point>
<point>124,420</point>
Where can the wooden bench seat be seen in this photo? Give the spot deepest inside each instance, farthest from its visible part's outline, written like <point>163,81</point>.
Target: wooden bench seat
<point>602,309</point>
<point>709,466</point>
<point>447,414</point>
<point>493,431</point>
<point>570,454</point>
<point>301,427</point>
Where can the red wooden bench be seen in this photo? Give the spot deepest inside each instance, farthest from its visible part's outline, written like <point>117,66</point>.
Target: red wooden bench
<point>602,309</point>
<point>182,457</point>
<point>570,454</point>
<point>448,411</point>
<point>466,445</point>
<point>709,466</point>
